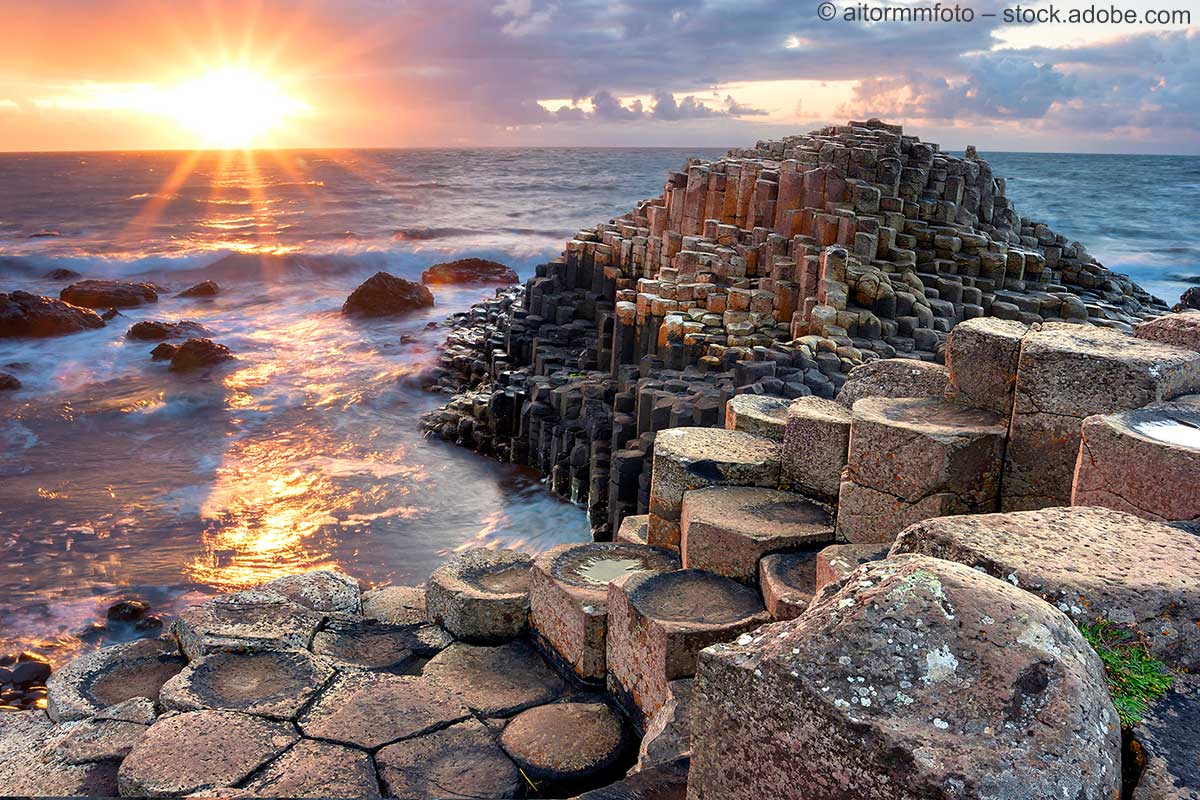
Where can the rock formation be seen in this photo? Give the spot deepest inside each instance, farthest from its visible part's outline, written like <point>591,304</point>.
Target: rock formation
<point>469,271</point>
<point>93,293</point>
<point>25,314</point>
<point>382,295</point>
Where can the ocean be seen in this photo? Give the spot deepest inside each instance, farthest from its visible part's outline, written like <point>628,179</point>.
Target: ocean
<point>119,479</point>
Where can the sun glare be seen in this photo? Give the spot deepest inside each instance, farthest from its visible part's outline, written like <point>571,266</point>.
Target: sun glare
<point>232,108</point>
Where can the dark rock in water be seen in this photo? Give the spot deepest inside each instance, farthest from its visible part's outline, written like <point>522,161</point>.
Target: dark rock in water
<point>198,354</point>
<point>128,610</point>
<point>469,270</point>
<point>164,352</point>
<point>31,671</point>
<point>383,294</point>
<point>154,331</point>
<point>25,314</point>
<point>8,383</point>
<point>203,289</point>
<point>1190,299</point>
<point>111,314</point>
<point>106,294</point>
<point>431,326</point>
<point>62,274</point>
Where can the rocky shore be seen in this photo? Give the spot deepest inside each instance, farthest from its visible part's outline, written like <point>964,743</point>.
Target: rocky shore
<point>891,493</point>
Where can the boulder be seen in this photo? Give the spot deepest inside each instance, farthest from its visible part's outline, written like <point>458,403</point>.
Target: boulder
<point>815,445</point>
<point>197,354</point>
<point>495,681</point>
<point>727,529</point>
<point>481,595</point>
<point>659,622</point>
<point>692,458</point>
<point>164,352</point>
<point>62,274</point>
<point>568,595</point>
<point>255,619</point>
<point>982,355</point>
<point>8,383</point>
<point>468,271</point>
<point>202,289</point>
<point>1067,373</point>
<point>566,744</point>
<point>200,750</point>
<point>460,761</point>
<point>633,529</point>
<point>155,331</point>
<point>913,679</point>
<point>1136,461</point>
<point>368,644</point>
<point>1188,301</point>
<point>894,377</point>
<point>757,414</point>
<point>1180,330</point>
<point>383,295</point>
<point>1092,563</point>
<point>94,681</point>
<point>25,314</point>
<point>395,605</point>
<point>266,683</point>
<point>316,769</point>
<point>371,709</point>
<point>109,294</point>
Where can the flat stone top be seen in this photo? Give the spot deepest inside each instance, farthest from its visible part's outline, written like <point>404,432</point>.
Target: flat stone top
<point>693,597</point>
<point>756,512</point>
<point>590,567</point>
<point>1093,342</point>
<point>564,740</point>
<point>715,444</point>
<point>1182,329</point>
<point>991,326</point>
<point>502,573</point>
<point>813,407</point>
<point>928,415</point>
<point>1176,423</point>
<point>761,406</point>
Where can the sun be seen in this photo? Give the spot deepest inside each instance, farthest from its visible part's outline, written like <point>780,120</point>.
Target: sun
<point>232,108</point>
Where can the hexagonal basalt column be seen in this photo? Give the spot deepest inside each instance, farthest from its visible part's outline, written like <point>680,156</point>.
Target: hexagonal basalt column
<point>633,529</point>
<point>566,745</point>
<point>95,681</point>
<point>495,681</point>
<point>1065,374</point>
<point>316,769</point>
<point>915,458</point>
<point>265,683</point>
<point>760,415</point>
<point>839,560</point>
<point>982,355</point>
<point>815,445</point>
<point>692,458</point>
<point>1140,461</point>
<point>256,619</point>
<point>460,761</point>
<point>367,644</point>
<point>481,595</point>
<point>568,592</point>
<point>325,591</point>
<point>658,623</point>
<point>727,529</point>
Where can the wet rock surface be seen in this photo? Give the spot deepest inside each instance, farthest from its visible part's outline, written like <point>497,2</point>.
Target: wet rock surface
<point>274,684</point>
<point>462,760</point>
<point>156,331</point>
<point>202,289</point>
<point>469,271</point>
<point>495,681</point>
<point>9,383</point>
<point>201,750</point>
<point>383,295</point>
<point>109,294</point>
<point>873,704</point>
<point>30,315</point>
<point>198,354</point>
<point>566,743</point>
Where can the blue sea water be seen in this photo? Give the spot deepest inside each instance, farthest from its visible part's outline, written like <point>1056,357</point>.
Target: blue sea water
<point>118,478</point>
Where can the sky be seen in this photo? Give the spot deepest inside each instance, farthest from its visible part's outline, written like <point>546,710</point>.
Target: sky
<point>119,74</point>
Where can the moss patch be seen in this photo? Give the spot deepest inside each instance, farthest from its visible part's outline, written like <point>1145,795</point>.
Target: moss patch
<point>1135,678</point>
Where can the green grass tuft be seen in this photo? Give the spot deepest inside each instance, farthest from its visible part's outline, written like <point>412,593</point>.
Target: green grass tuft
<point>1135,678</point>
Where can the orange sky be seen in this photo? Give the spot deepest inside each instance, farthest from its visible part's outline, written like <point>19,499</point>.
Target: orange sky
<point>118,74</point>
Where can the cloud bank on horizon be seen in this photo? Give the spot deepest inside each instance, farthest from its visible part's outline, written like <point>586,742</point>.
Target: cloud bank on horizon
<point>633,72</point>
